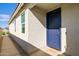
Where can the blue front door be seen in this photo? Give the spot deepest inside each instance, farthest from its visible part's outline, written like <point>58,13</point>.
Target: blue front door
<point>53,29</point>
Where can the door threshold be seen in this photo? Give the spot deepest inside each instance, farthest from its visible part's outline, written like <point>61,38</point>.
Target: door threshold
<point>51,51</point>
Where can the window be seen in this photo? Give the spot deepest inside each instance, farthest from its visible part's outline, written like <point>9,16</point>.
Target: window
<point>23,22</point>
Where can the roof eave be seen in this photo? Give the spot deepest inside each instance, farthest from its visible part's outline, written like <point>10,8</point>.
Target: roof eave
<point>15,12</point>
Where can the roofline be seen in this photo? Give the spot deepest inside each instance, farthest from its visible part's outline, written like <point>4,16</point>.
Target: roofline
<point>15,12</point>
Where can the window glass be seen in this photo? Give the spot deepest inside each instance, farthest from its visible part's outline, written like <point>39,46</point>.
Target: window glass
<point>23,28</point>
<point>23,22</point>
<point>23,17</point>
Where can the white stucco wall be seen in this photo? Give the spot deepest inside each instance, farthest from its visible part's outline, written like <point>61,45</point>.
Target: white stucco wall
<point>11,28</point>
<point>18,31</point>
<point>70,21</point>
<point>35,32</point>
<point>37,27</point>
<point>35,35</point>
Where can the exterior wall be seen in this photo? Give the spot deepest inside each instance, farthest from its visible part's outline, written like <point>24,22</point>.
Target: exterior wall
<point>35,32</point>
<point>30,36</point>
<point>70,21</point>
<point>18,36</point>
<point>37,27</point>
<point>18,31</point>
<point>11,28</point>
<point>29,49</point>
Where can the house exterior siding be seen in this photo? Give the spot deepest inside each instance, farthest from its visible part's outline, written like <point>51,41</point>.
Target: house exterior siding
<point>70,21</point>
<point>18,31</point>
<point>35,28</point>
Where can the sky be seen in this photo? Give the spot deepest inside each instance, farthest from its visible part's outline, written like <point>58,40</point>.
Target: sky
<point>6,11</point>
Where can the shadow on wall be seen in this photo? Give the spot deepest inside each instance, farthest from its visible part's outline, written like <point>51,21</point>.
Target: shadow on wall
<point>28,49</point>
<point>20,50</point>
<point>39,14</point>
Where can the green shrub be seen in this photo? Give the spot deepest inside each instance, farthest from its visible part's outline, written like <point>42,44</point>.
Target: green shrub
<point>1,33</point>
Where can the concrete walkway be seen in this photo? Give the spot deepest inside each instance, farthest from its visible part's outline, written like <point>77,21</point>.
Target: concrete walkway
<point>10,48</point>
